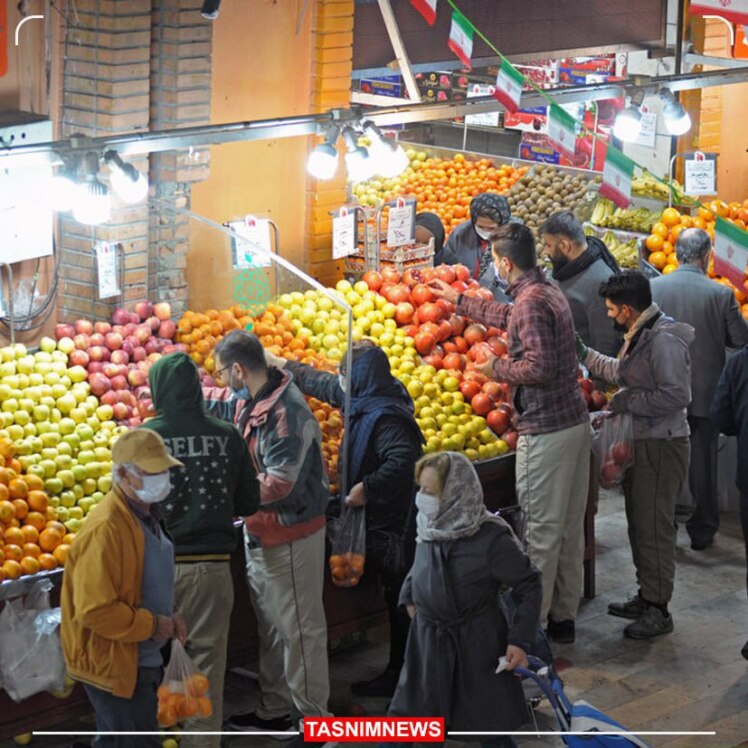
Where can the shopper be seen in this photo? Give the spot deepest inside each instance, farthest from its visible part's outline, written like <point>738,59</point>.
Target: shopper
<point>653,372</point>
<point>383,442</point>
<point>285,540</point>
<point>465,557</point>
<point>688,295</point>
<point>729,414</point>
<point>118,594</point>
<point>580,264</point>
<point>216,484</point>
<point>553,449</point>
<point>469,243</point>
<point>429,226</point>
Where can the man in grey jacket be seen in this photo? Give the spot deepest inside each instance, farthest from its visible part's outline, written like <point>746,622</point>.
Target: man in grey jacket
<point>653,370</point>
<point>688,295</point>
<point>580,265</point>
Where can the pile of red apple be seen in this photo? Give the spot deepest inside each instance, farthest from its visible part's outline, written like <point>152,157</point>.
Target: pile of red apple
<point>118,355</point>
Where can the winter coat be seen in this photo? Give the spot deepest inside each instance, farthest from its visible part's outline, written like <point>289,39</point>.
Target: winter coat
<point>459,630</point>
<point>657,373</point>
<point>712,310</point>
<point>381,429</point>
<point>217,482</point>
<point>102,621</point>
<point>285,443</point>
<point>580,280</point>
<point>729,411</point>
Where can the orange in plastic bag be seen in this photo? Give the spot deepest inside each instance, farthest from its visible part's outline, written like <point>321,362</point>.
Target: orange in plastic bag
<point>348,536</point>
<point>183,693</point>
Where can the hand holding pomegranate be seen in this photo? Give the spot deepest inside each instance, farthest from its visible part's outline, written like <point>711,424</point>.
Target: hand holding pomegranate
<point>442,290</point>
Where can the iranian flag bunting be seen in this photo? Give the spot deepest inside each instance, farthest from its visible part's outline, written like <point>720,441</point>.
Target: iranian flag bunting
<point>562,131</point>
<point>427,8</point>
<point>618,171</point>
<point>461,39</point>
<point>730,251</point>
<point>735,11</point>
<point>509,83</point>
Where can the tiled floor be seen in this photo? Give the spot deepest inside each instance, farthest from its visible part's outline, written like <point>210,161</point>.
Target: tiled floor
<point>693,679</point>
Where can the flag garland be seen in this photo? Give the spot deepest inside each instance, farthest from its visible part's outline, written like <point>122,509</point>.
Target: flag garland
<point>730,251</point>
<point>509,84</point>
<point>427,8</point>
<point>618,173</point>
<point>461,39</point>
<point>562,131</point>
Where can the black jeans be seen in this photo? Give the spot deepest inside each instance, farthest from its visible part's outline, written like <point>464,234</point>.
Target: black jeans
<point>702,480</point>
<point>137,714</point>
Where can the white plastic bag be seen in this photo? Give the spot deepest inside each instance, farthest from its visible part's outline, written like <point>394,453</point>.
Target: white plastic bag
<point>613,445</point>
<point>30,652</point>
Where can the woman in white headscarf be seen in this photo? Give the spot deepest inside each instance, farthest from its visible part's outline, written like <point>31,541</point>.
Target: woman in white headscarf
<point>465,557</point>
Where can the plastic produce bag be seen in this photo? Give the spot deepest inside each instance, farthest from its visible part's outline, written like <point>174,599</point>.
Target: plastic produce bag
<point>348,537</point>
<point>30,652</point>
<point>614,447</point>
<point>184,691</point>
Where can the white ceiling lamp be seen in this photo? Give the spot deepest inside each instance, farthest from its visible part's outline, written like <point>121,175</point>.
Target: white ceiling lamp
<point>92,203</point>
<point>62,190</point>
<point>389,156</point>
<point>323,160</point>
<point>677,119</point>
<point>357,160</point>
<point>129,184</point>
<point>628,123</point>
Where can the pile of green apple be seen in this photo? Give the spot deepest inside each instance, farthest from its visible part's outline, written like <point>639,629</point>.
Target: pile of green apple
<point>60,430</point>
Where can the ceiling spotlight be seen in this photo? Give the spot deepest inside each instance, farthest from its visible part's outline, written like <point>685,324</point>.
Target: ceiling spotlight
<point>129,184</point>
<point>92,202</point>
<point>323,160</point>
<point>628,123</point>
<point>357,160</point>
<point>62,188</point>
<point>677,119</point>
<point>389,156</point>
<point>210,9</point>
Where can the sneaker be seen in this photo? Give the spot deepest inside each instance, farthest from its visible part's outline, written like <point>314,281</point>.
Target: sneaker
<point>744,651</point>
<point>701,544</point>
<point>562,632</point>
<point>633,608</point>
<point>250,722</point>
<point>383,685</point>
<point>653,623</point>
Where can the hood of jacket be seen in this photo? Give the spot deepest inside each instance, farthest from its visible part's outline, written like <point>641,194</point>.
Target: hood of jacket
<point>175,385</point>
<point>667,324</point>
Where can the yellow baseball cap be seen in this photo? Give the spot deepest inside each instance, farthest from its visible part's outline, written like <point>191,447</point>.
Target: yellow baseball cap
<point>144,448</point>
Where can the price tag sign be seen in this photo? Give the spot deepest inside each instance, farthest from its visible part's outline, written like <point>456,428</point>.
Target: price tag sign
<point>254,248</point>
<point>648,129</point>
<point>401,222</point>
<point>106,264</point>
<point>701,174</point>
<point>343,234</point>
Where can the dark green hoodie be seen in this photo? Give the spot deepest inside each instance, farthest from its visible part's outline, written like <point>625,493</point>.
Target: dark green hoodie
<point>217,482</point>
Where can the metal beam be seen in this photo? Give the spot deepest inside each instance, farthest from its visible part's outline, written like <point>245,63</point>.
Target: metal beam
<point>692,59</point>
<point>368,99</point>
<point>393,30</point>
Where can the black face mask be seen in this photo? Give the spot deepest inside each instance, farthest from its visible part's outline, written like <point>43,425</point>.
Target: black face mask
<point>618,327</point>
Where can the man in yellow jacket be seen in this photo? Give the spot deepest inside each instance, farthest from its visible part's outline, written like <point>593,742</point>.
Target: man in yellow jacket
<point>118,594</point>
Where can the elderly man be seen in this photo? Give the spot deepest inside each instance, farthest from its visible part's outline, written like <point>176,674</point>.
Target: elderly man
<point>688,295</point>
<point>118,594</point>
<point>216,484</point>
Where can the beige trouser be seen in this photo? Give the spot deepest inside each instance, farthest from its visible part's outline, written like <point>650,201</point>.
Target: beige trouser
<point>553,473</point>
<point>285,587</point>
<point>204,595</point>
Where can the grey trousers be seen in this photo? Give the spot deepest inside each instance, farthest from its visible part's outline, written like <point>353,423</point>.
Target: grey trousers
<point>651,488</point>
<point>137,714</point>
<point>702,480</point>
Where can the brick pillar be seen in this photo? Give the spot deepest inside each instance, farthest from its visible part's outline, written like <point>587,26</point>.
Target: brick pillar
<point>331,85</point>
<point>106,90</point>
<point>180,82</point>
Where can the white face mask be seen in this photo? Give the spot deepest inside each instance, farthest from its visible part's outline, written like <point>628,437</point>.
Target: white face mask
<point>155,488</point>
<point>427,504</point>
<point>483,234</point>
<point>342,382</point>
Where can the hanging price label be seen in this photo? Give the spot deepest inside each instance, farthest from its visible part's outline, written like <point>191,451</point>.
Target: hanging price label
<point>648,129</point>
<point>106,264</point>
<point>254,249</point>
<point>401,222</point>
<point>343,234</point>
<point>486,119</point>
<point>701,174</point>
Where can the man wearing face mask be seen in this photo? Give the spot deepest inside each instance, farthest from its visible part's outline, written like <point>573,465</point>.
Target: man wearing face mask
<point>216,484</point>
<point>118,594</point>
<point>285,540</point>
<point>653,370</point>
<point>553,449</point>
<point>580,264</point>
<point>690,296</point>
<point>384,443</point>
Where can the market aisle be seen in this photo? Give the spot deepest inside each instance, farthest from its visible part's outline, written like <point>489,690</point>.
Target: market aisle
<point>693,679</point>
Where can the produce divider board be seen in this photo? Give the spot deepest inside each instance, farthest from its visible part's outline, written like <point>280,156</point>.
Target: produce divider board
<point>621,233</point>
<point>649,270</point>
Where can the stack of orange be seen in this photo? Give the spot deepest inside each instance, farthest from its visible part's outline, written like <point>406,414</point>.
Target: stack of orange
<point>331,424</point>
<point>183,699</point>
<point>201,331</point>
<point>31,538</point>
<point>346,568</point>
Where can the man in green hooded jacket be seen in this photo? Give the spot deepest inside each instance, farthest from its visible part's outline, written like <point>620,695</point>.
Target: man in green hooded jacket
<point>216,484</point>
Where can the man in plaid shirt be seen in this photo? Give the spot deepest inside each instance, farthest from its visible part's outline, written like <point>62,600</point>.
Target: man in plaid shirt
<point>553,449</point>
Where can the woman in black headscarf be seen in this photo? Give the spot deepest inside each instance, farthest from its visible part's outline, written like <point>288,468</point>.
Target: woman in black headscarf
<point>468,243</point>
<point>429,226</point>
